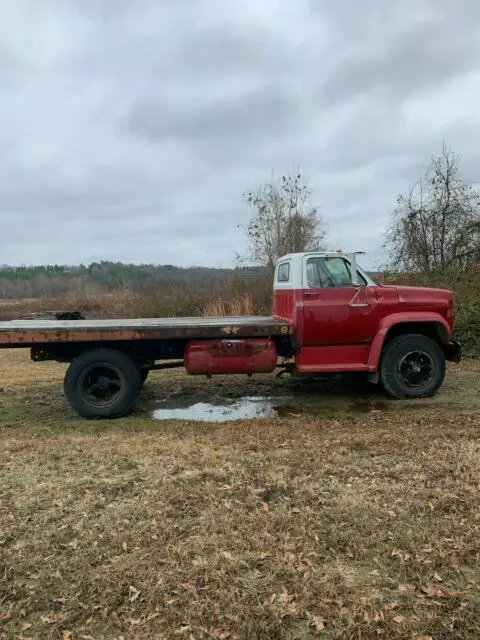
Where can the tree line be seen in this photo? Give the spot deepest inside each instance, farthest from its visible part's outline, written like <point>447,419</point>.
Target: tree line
<point>56,281</point>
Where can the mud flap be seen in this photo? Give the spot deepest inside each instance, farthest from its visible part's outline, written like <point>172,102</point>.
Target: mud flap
<point>453,351</point>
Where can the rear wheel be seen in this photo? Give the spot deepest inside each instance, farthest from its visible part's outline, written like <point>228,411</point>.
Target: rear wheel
<point>102,383</point>
<point>412,366</point>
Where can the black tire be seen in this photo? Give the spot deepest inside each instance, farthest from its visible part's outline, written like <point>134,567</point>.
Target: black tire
<point>102,383</point>
<point>412,366</point>
<point>144,375</point>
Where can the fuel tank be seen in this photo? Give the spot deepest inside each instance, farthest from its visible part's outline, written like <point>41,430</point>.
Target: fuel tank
<point>230,356</point>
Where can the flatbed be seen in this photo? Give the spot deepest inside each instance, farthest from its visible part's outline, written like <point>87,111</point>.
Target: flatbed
<point>21,333</point>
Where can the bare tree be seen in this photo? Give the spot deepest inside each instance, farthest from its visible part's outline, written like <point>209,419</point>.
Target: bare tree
<point>283,221</point>
<point>436,226</point>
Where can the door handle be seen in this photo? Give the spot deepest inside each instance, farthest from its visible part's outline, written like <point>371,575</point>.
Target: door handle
<point>310,294</point>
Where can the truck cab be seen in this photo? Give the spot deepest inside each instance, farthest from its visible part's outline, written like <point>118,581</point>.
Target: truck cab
<point>344,322</point>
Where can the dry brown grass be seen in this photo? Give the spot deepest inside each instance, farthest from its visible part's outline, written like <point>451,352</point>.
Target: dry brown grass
<point>99,305</point>
<point>130,304</point>
<point>237,306</point>
<point>17,370</point>
<point>294,528</point>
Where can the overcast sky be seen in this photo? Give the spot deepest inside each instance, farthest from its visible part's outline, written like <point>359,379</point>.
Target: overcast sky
<point>130,129</point>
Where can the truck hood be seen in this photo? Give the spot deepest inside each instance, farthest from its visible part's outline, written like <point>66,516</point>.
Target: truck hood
<point>423,296</point>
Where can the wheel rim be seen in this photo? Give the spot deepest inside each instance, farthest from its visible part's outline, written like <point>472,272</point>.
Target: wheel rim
<point>416,369</point>
<point>101,385</point>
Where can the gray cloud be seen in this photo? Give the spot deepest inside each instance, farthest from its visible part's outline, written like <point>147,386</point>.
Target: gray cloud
<point>255,113</point>
<point>419,56</point>
<point>131,130</point>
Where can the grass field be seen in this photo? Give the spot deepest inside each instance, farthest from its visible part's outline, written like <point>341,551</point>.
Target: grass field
<point>347,517</point>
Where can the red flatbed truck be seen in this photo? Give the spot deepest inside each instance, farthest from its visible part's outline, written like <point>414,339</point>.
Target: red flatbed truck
<point>328,317</point>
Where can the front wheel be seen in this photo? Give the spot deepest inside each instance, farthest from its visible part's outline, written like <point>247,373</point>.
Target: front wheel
<point>144,375</point>
<point>102,383</point>
<point>412,366</point>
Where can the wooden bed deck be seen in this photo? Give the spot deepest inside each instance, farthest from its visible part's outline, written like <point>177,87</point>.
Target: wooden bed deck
<point>18,333</point>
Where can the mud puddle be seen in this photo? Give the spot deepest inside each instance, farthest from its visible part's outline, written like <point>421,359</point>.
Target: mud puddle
<point>236,398</point>
<point>224,409</point>
<point>221,409</point>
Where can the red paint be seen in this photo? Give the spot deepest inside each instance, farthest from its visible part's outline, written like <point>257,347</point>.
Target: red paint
<point>284,306</point>
<point>344,328</point>
<point>210,357</point>
<point>335,316</point>
<point>331,359</point>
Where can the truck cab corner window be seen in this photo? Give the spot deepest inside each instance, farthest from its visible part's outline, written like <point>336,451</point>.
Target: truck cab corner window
<point>283,274</point>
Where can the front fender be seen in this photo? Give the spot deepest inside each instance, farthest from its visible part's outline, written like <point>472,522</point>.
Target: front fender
<point>404,318</point>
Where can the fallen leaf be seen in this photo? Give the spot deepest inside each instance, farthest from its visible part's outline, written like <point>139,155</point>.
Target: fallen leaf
<point>219,635</point>
<point>182,629</point>
<point>264,555</point>
<point>133,593</point>
<point>398,553</point>
<point>124,546</point>
<point>437,577</point>
<point>73,544</point>
<point>228,556</point>
<point>318,623</point>
<point>66,634</point>
<point>265,507</point>
<point>391,605</point>
<point>399,619</point>
<point>48,619</point>
<point>151,616</point>
<point>26,626</point>
<point>285,598</point>
<point>431,590</point>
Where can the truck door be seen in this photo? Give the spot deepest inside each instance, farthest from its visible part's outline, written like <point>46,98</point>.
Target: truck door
<point>336,312</point>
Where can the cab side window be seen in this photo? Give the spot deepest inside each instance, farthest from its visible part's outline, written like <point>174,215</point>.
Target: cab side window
<point>339,272</point>
<point>329,272</point>
<point>317,275</point>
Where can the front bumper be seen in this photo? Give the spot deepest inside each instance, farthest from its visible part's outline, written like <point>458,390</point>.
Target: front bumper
<point>453,351</point>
